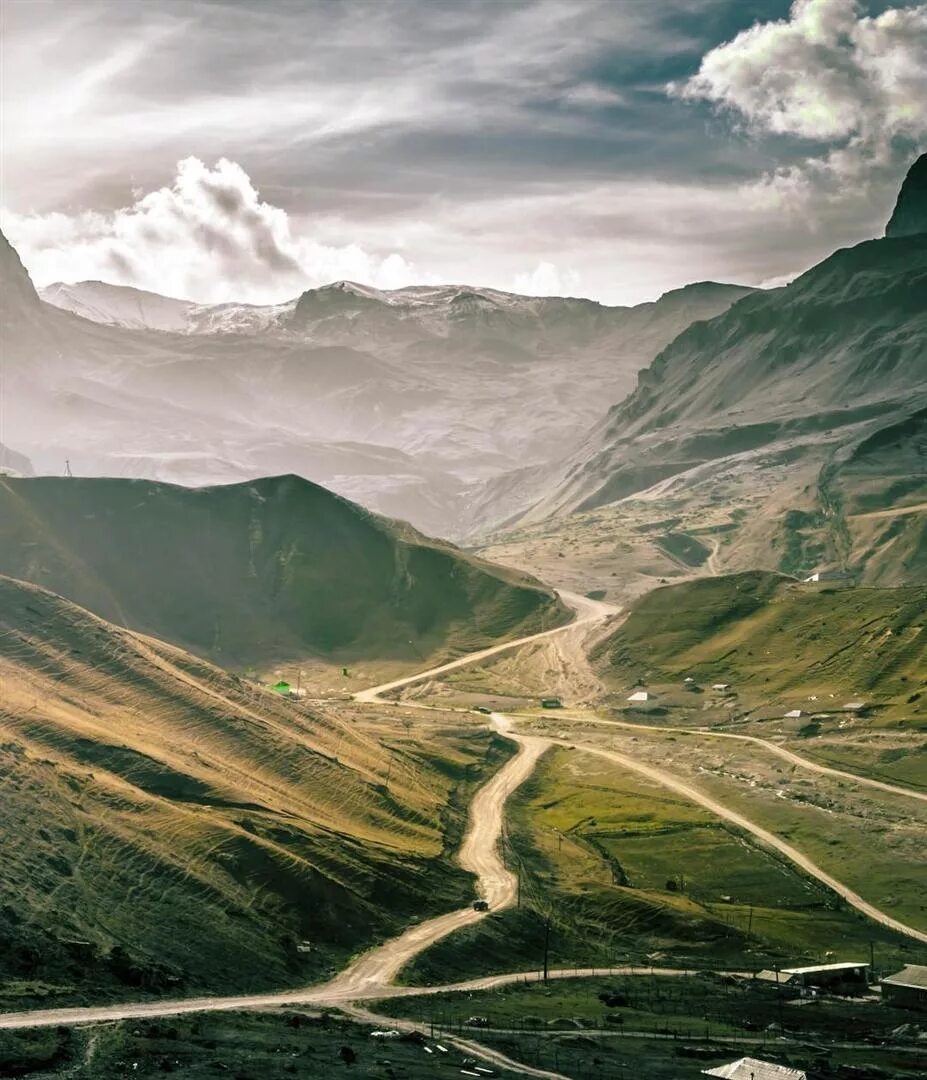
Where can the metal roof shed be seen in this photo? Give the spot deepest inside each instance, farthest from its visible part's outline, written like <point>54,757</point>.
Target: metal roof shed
<point>748,1068</point>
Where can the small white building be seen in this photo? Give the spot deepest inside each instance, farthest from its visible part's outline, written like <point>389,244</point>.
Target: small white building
<point>749,1068</point>
<point>639,695</point>
<point>794,714</point>
<point>721,686</point>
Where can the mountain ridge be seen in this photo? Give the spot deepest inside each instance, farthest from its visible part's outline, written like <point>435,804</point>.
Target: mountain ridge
<point>452,391</point>
<point>262,572</point>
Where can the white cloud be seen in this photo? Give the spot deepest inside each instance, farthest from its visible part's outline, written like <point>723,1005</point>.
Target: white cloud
<point>546,279</point>
<point>207,237</point>
<point>828,74</point>
<point>593,95</point>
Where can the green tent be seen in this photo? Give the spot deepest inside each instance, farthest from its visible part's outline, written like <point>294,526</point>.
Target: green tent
<point>281,688</point>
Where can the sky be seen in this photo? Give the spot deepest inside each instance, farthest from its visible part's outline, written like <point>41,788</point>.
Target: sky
<point>227,150</point>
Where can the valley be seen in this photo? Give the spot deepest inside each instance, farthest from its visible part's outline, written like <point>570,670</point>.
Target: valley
<point>639,905</point>
<point>283,775</point>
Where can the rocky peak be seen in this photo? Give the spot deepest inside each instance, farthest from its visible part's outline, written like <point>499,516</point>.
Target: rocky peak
<point>910,215</point>
<point>15,284</point>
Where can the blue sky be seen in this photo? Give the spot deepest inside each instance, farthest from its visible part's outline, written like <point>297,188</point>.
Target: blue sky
<point>607,148</point>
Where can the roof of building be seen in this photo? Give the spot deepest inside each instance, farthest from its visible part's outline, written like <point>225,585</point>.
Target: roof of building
<point>846,965</point>
<point>639,695</point>
<point>913,975</point>
<point>749,1068</point>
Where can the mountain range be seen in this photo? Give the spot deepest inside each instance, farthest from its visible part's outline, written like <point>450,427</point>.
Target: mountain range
<point>404,401</point>
<point>469,411</point>
<point>803,409</point>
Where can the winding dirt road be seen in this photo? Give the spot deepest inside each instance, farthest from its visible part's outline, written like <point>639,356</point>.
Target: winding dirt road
<point>479,854</point>
<point>588,612</point>
<point>765,744</point>
<point>370,976</point>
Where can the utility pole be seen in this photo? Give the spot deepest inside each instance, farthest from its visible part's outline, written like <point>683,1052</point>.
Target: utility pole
<point>546,947</point>
<point>67,467</point>
<point>872,974</point>
<point>389,772</point>
<point>750,921</point>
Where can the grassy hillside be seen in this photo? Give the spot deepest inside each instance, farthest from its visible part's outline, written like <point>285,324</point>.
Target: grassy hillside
<point>771,635</point>
<point>177,828</point>
<point>260,573</point>
<point>628,872</point>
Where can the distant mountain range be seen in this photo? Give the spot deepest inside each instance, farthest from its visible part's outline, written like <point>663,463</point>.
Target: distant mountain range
<point>470,410</point>
<point>404,401</point>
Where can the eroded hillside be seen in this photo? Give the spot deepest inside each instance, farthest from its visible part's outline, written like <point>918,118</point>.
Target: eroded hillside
<point>147,795</point>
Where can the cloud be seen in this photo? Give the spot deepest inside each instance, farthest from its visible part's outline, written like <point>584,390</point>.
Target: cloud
<point>546,279</point>
<point>207,237</point>
<point>826,75</point>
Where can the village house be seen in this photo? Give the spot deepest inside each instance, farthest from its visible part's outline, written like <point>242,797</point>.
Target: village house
<point>907,988</point>
<point>748,1068</point>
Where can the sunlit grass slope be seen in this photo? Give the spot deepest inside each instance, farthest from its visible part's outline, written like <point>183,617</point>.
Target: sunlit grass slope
<point>167,825</point>
<point>766,635</point>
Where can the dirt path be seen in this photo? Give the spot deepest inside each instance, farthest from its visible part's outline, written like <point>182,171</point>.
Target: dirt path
<point>765,744</point>
<point>466,1046</point>
<point>898,511</point>
<point>588,612</point>
<point>479,854</point>
<point>370,975</point>
<point>693,794</point>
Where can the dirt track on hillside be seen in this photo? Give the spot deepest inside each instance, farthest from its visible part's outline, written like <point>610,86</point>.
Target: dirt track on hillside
<point>369,976</point>
<point>765,744</point>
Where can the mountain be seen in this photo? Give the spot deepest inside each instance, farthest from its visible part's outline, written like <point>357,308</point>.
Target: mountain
<point>910,214</point>
<point>802,410</point>
<point>262,573</point>
<point>406,400</point>
<point>14,464</point>
<point>771,637</point>
<point>178,828</point>
<point>137,309</point>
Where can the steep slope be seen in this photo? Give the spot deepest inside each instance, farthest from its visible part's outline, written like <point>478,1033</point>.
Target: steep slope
<point>801,407</point>
<point>177,828</point>
<point>769,635</point>
<point>909,217</point>
<point>260,573</point>
<point>401,399</point>
<point>119,305</point>
<point>12,463</point>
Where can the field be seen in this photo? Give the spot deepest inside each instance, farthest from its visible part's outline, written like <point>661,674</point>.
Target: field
<point>587,1026</point>
<point>627,872</point>
<point>242,1046</point>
